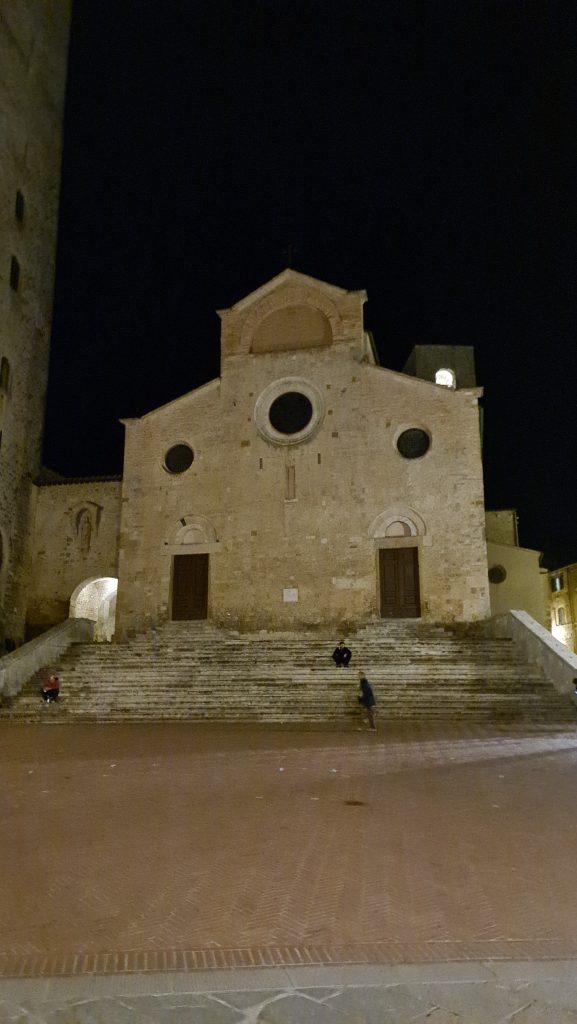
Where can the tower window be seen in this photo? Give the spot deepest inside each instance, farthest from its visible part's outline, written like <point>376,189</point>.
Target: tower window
<point>4,374</point>
<point>14,274</point>
<point>446,378</point>
<point>561,619</point>
<point>19,207</point>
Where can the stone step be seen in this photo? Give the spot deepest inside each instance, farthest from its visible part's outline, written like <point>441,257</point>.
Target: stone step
<point>181,672</point>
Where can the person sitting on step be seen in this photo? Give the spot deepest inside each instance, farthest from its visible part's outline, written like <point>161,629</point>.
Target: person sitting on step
<point>341,655</point>
<point>51,690</point>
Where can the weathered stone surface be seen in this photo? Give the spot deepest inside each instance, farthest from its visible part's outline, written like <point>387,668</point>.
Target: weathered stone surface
<point>471,1002</point>
<point>75,540</point>
<point>33,52</point>
<point>293,531</point>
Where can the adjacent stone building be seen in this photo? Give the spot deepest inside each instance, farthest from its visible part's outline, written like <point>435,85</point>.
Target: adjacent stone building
<point>74,553</point>
<point>516,579</point>
<point>33,56</point>
<point>563,605</point>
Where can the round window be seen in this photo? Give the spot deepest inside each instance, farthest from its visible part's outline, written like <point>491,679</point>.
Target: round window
<point>497,574</point>
<point>178,458</point>
<point>413,443</point>
<point>291,412</point>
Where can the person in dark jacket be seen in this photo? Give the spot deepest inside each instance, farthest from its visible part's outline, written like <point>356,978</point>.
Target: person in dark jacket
<point>367,699</point>
<point>341,655</point>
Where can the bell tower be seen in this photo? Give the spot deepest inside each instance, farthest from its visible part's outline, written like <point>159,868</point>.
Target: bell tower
<point>33,57</point>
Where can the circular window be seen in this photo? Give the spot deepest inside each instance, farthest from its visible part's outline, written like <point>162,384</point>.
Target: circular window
<point>178,458</point>
<point>497,574</point>
<point>413,443</point>
<point>291,412</point>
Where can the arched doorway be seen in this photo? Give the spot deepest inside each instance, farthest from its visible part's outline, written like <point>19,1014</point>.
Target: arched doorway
<point>95,599</point>
<point>397,533</point>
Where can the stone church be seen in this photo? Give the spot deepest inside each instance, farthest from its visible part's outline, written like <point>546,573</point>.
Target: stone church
<point>307,485</point>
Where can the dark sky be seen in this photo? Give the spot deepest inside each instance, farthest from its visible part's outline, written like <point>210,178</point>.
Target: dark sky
<point>424,151</point>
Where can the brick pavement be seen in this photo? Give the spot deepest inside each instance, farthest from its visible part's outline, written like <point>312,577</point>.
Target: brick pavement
<point>171,847</point>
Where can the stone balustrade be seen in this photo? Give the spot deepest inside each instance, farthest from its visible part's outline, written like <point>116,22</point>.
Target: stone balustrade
<point>42,652</point>
<point>557,663</point>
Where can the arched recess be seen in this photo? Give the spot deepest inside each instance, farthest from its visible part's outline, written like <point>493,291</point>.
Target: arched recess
<point>396,522</point>
<point>85,522</point>
<point>95,598</point>
<point>194,530</point>
<point>292,327</point>
<point>322,312</point>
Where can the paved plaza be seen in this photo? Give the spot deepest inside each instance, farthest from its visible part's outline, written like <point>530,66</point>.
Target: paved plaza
<point>471,993</point>
<point>130,850</point>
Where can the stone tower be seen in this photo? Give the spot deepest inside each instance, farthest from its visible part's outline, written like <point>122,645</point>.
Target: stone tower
<point>33,59</point>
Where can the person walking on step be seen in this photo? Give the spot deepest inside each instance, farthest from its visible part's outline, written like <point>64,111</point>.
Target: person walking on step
<point>51,690</point>
<point>341,655</point>
<point>367,699</point>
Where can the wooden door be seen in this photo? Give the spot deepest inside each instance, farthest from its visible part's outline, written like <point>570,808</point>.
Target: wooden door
<point>399,583</point>
<point>190,587</point>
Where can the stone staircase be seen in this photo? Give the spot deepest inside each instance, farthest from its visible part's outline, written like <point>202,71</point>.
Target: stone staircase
<point>188,671</point>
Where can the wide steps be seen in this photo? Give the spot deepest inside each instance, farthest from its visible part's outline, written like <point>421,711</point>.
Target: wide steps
<point>195,672</point>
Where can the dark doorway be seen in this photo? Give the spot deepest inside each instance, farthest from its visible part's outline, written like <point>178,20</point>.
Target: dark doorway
<point>399,583</point>
<point>190,587</point>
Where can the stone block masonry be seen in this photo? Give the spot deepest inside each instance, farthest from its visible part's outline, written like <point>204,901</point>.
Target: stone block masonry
<point>33,54</point>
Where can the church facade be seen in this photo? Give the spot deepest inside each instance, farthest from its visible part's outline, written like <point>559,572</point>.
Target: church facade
<point>306,486</point>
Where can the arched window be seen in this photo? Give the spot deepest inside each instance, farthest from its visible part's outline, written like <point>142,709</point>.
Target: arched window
<point>446,378</point>
<point>561,617</point>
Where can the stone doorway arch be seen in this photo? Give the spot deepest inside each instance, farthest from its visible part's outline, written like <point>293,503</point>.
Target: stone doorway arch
<point>95,598</point>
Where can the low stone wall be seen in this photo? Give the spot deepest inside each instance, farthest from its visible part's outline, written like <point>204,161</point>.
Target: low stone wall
<point>19,666</point>
<point>539,647</point>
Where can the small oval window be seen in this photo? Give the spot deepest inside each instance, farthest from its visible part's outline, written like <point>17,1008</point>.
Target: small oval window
<point>497,574</point>
<point>413,443</point>
<point>179,458</point>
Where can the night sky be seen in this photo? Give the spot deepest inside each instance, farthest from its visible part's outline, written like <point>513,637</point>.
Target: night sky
<point>426,152</point>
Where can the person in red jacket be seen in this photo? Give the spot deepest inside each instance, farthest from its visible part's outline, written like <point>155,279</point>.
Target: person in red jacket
<point>51,689</point>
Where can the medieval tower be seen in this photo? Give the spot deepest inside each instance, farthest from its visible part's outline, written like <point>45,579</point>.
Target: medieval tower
<point>33,60</point>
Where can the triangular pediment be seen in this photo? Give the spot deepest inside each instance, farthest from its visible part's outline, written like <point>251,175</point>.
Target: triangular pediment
<point>291,312</point>
<point>286,277</point>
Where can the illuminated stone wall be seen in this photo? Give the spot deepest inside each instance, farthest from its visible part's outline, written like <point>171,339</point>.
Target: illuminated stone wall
<point>563,605</point>
<point>75,539</point>
<point>33,54</point>
<point>522,586</point>
<point>501,526</point>
<point>283,521</point>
